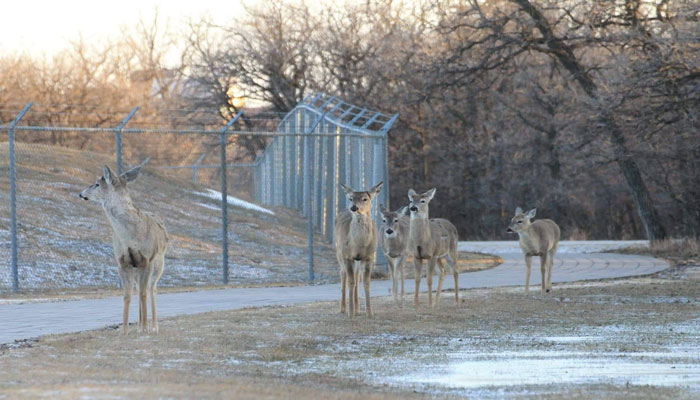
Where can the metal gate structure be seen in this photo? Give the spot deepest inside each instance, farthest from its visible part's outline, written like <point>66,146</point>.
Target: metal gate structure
<point>323,142</point>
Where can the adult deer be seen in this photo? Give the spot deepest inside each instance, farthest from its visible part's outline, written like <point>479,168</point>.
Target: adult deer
<point>433,240</point>
<point>356,245</point>
<point>139,238</point>
<point>538,238</point>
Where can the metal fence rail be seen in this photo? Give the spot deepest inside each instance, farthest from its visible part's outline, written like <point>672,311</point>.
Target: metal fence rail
<point>321,143</point>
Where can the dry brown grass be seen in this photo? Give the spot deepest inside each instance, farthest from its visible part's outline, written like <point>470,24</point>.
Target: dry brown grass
<point>311,351</point>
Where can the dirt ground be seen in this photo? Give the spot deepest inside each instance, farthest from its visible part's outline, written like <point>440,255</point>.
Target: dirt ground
<point>636,338</point>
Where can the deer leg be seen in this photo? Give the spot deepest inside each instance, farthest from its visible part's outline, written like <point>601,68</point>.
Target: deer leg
<point>128,286</point>
<point>418,263</point>
<point>368,277</point>
<point>441,281</point>
<point>452,260</point>
<point>343,289</point>
<point>543,271</point>
<point>350,277</point>
<point>356,294</point>
<point>528,265</point>
<point>550,265</point>
<point>402,260</point>
<point>144,279</point>
<point>157,272</point>
<point>429,278</point>
<point>394,277</point>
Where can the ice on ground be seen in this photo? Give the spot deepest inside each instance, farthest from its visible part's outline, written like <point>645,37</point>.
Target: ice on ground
<point>538,368</point>
<point>234,201</point>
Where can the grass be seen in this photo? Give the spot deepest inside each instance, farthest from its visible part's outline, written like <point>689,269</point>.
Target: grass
<point>312,351</point>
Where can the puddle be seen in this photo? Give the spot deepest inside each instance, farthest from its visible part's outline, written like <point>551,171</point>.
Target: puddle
<point>542,368</point>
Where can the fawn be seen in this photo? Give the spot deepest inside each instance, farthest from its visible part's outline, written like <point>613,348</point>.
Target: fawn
<point>356,243</point>
<point>538,238</point>
<point>139,238</point>
<point>394,239</point>
<point>434,240</point>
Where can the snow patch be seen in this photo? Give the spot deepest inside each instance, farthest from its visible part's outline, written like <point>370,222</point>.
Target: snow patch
<point>234,201</point>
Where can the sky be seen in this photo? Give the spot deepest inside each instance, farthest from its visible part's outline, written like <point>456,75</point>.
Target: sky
<point>43,27</point>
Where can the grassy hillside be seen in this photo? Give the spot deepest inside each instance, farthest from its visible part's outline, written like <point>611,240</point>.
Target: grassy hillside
<point>65,242</point>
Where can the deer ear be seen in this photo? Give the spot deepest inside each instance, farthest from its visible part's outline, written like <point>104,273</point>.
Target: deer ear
<point>402,211</point>
<point>518,211</point>
<point>108,175</point>
<point>347,189</point>
<point>131,174</point>
<point>411,193</point>
<point>531,213</point>
<point>376,189</point>
<point>430,193</point>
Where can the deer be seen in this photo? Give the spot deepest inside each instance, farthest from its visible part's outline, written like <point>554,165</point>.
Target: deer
<point>139,240</point>
<point>394,240</point>
<point>356,246</point>
<point>537,238</point>
<point>434,240</point>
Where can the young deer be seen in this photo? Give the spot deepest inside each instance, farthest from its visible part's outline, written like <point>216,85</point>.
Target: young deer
<point>139,240</point>
<point>394,239</point>
<point>356,241</point>
<point>434,240</point>
<point>538,238</point>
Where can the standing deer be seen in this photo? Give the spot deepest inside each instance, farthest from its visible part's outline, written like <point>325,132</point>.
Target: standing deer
<point>394,238</point>
<point>538,238</point>
<point>356,243</point>
<point>434,240</point>
<point>139,240</point>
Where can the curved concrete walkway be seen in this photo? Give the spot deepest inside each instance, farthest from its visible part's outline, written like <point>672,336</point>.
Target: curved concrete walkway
<point>21,321</point>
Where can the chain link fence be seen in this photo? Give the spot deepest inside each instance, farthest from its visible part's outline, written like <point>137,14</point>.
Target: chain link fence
<point>219,201</point>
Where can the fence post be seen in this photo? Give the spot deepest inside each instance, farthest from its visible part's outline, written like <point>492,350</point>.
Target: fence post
<point>224,199</point>
<point>118,137</point>
<point>13,197</point>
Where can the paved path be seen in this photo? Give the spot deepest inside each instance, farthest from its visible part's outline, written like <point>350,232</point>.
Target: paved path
<point>20,321</point>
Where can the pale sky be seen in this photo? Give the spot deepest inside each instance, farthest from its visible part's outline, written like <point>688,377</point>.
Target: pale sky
<point>45,27</point>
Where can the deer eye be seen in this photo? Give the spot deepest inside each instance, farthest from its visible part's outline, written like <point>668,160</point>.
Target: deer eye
<point>520,222</point>
<point>422,201</point>
<point>396,220</point>
<point>365,199</point>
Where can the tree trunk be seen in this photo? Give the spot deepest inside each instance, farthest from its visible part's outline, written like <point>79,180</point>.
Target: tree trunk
<point>633,177</point>
<point>564,53</point>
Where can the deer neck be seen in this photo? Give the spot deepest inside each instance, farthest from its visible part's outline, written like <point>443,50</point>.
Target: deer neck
<point>121,213</point>
<point>360,225</point>
<point>528,238</point>
<point>419,229</point>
